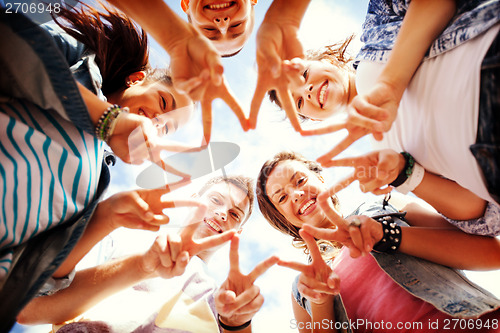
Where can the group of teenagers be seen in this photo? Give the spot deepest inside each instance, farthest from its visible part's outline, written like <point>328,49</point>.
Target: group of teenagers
<point>424,85</point>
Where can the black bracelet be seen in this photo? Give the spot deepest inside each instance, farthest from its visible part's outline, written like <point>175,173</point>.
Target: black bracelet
<point>233,328</point>
<point>392,235</point>
<point>406,172</point>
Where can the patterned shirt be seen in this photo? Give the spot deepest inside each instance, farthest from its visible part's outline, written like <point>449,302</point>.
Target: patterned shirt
<point>384,18</point>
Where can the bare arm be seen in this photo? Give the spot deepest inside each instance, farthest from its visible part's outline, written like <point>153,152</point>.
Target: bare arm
<point>89,287</point>
<point>447,246</point>
<point>379,168</point>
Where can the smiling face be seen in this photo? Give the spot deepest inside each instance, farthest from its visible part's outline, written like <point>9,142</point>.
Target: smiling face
<point>228,207</point>
<point>228,24</point>
<point>292,188</point>
<point>323,91</point>
<point>156,100</point>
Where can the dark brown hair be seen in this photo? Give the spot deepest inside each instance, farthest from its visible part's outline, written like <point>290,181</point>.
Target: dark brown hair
<point>336,54</point>
<point>269,210</point>
<point>121,47</point>
<point>243,183</point>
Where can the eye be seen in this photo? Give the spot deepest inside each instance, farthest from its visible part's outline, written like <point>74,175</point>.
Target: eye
<point>235,216</point>
<point>300,103</point>
<point>209,29</point>
<point>215,200</point>
<point>305,75</point>
<point>282,198</point>
<point>235,25</point>
<point>301,181</point>
<point>163,103</point>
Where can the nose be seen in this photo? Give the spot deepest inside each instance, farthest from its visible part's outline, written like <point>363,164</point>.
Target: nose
<point>308,91</point>
<point>297,194</point>
<point>222,23</point>
<point>222,215</point>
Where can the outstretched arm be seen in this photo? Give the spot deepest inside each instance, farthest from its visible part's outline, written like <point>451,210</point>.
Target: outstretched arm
<point>432,238</point>
<point>195,64</point>
<point>166,258</point>
<point>376,169</point>
<point>277,41</point>
<point>422,24</point>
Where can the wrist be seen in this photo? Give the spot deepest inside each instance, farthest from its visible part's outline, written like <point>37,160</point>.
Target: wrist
<point>227,325</point>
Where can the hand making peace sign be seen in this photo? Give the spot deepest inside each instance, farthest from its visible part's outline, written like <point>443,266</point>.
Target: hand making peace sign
<point>238,299</point>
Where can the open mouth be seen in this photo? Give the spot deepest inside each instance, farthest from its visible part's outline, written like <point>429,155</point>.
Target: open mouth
<point>322,94</point>
<point>220,5</point>
<point>307,207</point>
<point>213,225</point>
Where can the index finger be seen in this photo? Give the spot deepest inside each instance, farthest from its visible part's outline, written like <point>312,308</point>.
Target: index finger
<point>311,245</point>
<point>155,194</point>
<point>353,161</point>
<point>233,103</point>
<point>321,233</point>
<point>324,128</point>
<point>340,147</point>
<point>213,241</point>
<point>234,256</point>
<point>285,96</point>
<point>258,96</point>
<point>206,110</point>
<point>262,267</point>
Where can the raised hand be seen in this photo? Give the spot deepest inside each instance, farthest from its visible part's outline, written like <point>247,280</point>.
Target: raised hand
<point>197,71</point>
<point>139,209</point>
<point>238,299</point>
<point>277,41</point>
<point>380,105</point>
<point>317,281</point>
<point>351,122</point>
<point>373,170</point>
<point>170,253</point>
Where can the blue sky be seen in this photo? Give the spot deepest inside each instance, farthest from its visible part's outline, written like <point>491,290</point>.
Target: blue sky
<point>326,21</point>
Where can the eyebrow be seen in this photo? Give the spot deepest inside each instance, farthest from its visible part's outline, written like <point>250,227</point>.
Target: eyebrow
<point>281,189</point>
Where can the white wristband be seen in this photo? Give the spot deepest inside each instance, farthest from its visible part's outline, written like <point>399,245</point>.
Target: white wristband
<point>413,181</point>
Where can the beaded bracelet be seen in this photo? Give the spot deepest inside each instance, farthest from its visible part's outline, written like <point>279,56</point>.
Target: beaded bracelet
<point>106,123</point>
<point>406,172</point>
<point>233,328</point>
<point>392,235</point>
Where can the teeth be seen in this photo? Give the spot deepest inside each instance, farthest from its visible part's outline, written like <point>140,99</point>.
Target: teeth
<point>213,225</point>
<point>322,94</point>
<point>220,5</point>
<point>306,205</point>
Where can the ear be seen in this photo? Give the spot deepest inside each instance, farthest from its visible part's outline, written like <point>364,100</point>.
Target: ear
<point>134,78</point>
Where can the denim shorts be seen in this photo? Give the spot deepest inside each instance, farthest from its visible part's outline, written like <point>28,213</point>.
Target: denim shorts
<point>486,150</point>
